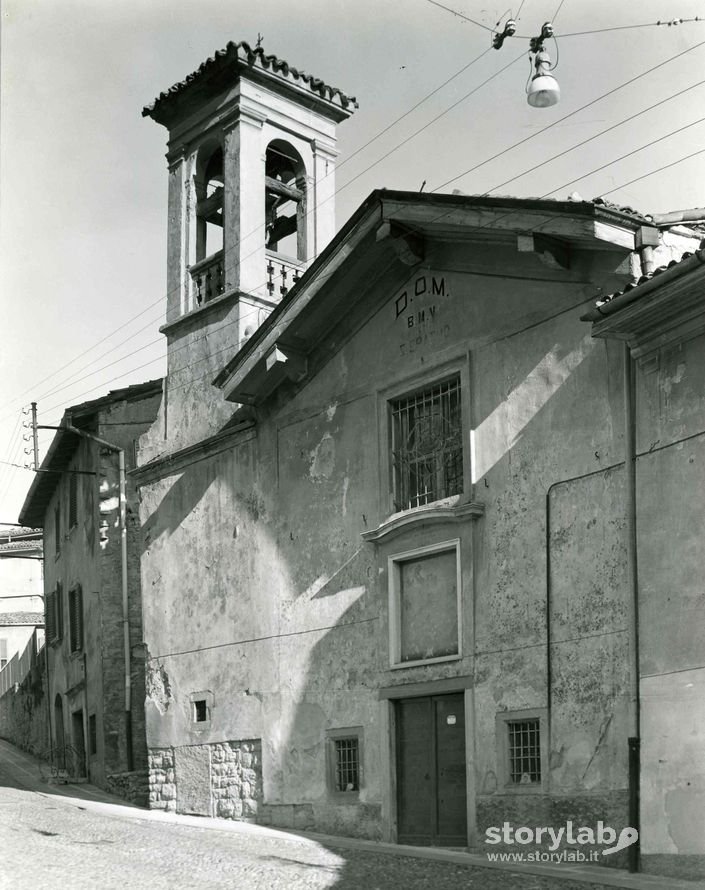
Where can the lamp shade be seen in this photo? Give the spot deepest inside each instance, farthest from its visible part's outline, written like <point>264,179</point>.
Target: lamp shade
<point>543,91</point>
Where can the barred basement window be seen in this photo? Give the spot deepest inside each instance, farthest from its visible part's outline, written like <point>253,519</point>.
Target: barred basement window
<point>73,500</point>
<point>344,755</point>
<point>347,765</point>
<point>427,450</point>
<point>76,618</point>
<point>524,751</point>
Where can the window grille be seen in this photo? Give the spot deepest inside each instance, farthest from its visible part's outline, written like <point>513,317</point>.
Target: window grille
<point>347,764</point>
<point>524,751</point>
<point>73,500</point>
<point>76,619</point>
<point>427,450</point>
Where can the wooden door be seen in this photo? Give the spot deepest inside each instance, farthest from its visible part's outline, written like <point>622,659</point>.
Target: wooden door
<point>430,749</point>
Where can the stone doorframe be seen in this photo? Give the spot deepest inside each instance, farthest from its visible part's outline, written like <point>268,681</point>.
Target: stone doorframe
<point>387,697</point>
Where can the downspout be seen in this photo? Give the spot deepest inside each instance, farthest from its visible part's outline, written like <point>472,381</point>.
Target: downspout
<point>123,567</point>
<point>633,740</point>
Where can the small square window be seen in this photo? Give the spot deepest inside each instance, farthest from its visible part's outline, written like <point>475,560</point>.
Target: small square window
<point>427,445</point>
<point>520,750</point>
<point>344,755</point>
<point>200,710</point>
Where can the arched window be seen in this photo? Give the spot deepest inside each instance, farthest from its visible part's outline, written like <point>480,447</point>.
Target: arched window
<point>209,197</point>
<point>285,200</point>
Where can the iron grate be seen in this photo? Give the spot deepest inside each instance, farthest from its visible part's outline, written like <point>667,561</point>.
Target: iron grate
<point>427,449</point>
<point>524,751</point>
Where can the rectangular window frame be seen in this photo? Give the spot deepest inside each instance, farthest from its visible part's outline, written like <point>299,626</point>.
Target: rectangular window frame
<point>76,622</point>
<point>394,563</point>
<point>459,367</point>
<point>502,722</point>
<point>339,735</point>
<point>417,413</point>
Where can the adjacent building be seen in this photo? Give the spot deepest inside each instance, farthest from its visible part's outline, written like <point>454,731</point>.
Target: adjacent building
<point>661,323</point>
<point>94,674</point>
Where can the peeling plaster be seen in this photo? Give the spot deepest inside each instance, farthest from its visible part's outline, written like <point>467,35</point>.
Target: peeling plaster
<point>322,459</point>
<point>158,687</point>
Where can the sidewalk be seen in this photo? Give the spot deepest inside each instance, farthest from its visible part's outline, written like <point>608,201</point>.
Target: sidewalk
<point>25,769</point>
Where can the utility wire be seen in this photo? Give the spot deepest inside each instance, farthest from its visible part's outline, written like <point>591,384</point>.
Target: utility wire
<point>460,15</point>
<point>337,168</point>
<point>596,136</point>
<point>627,155</point>
<point>379,160</point>
<point>565,117</point>
<point>564,185</point>
<point>482,163</point>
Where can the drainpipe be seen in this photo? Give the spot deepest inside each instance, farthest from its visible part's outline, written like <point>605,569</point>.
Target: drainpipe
<point>123,566</point>
<point>632,606</point>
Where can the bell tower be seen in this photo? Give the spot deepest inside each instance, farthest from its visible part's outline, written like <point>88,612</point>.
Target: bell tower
<point>251,158</point>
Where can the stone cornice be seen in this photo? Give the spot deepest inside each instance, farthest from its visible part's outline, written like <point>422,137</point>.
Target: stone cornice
<point>176,461</point>
<point>429,515</point>
<point>201,312</point>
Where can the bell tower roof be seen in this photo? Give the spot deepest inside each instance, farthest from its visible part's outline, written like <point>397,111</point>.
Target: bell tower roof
<point>224,69</point>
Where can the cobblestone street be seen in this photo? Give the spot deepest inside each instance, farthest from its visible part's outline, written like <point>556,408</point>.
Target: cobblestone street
<point>70,837</point>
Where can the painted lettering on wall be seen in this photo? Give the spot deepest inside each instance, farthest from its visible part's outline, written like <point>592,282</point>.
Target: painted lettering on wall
<point>417,309</point>
<point>423,288</point>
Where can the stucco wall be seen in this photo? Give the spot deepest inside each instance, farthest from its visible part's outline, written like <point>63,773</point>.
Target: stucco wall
<point>671,529</point>
<point>259,588</point>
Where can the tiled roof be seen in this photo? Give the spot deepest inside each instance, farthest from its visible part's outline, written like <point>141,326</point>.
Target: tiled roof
<point>643,279</point>
<point>621,208</point>
<point>254,58</point>
<point>16,546</point>
<point>27,618</point>
<point>19,533</point>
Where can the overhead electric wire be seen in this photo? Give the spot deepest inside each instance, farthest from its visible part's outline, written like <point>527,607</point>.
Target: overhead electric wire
<point>570,114</point>
<point>255,231</point>
<point>460,15</point>
<point>627,155</point>
<point>596,136</point>
<point>439,187</point>
<point>440,216</point>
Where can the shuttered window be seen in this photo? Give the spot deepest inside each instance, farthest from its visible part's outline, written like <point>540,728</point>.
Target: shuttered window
<point>76,618</point>
<point>50,616</point>
<point>57,529</point>
<point>73,500</point>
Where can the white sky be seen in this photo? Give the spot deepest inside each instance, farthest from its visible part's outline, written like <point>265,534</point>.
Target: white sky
<point>84,179</point>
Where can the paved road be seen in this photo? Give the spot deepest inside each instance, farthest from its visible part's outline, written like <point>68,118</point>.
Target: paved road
<point>53,838</point>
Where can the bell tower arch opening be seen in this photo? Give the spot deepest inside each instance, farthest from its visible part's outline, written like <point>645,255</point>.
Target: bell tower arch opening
<point>210,189</point>
<point>285,200</point>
